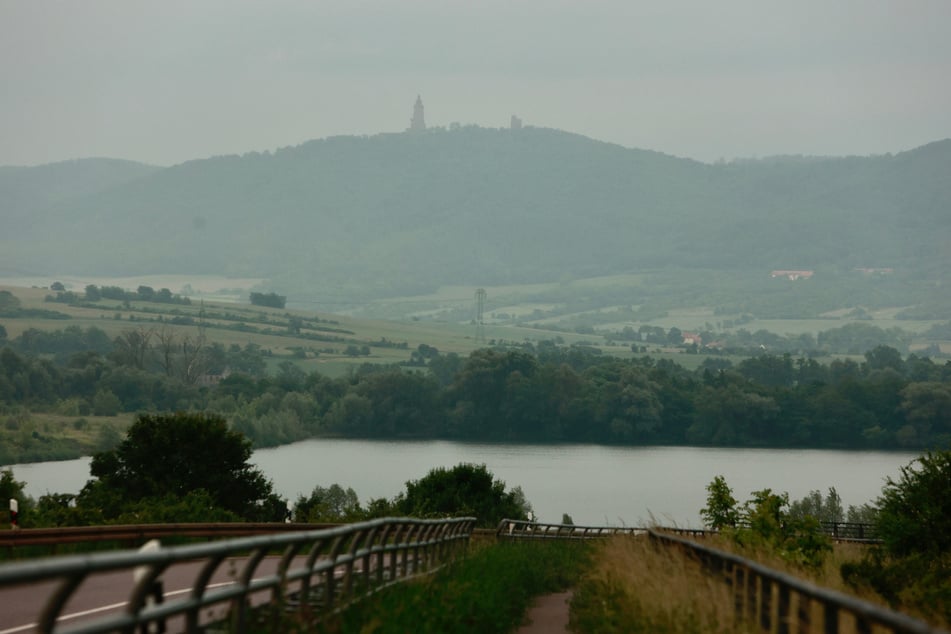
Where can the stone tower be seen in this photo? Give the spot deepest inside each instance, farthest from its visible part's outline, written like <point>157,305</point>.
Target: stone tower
<point>418,122</point>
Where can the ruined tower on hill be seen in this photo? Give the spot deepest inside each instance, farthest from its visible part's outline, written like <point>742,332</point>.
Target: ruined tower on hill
<point>418,122</point>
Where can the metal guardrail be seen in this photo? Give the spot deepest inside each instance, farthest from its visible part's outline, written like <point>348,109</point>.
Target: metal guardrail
<point>141,533</point>
<point>522,529</point>
<point>837,531</point>
<point>781,602</point>
<point>851,531</point>
<point>318,572</point>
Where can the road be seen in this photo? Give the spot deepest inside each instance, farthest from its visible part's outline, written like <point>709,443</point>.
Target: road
<point>106,593</point>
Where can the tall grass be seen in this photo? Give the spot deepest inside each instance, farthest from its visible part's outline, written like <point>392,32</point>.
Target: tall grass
<point>488,591</point>
<point>634,585</point>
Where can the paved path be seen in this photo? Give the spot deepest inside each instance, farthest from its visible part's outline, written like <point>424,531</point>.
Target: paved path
<point>548,615</point>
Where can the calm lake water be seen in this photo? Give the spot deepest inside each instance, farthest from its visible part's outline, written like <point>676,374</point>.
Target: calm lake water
<point>594,484</point>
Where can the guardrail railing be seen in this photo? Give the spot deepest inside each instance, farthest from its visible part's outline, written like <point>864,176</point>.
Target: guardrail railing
<point>781,602</point>
<point>313,573</point>
<point>140,533</point>
<point>523,529</point>
<point>838,531</point>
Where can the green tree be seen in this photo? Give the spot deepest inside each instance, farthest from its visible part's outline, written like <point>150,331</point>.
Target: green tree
<point>272,300</point>
<point>465,489</point>
<point>175,454</point>
<point>329,504</point>
<point>914,512</point>
<point>9,302</point>
<point>721,510</point>
<point>912,568</point>
<point>92,293</point>
<point>764,521</point>
<point>828,509</point>
<point>105,403</point>
<point>881,357</point>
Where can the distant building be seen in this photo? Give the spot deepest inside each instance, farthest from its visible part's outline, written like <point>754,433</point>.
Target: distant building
<point>418,122</point>
<point>793,275</point>
<point>692,339</point>
<point>516,123</point>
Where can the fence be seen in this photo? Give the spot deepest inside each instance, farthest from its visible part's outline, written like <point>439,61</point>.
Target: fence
<point>316,573</point>
<point>137,534</point>
<point>838,531</point>
<point>782,603</point>
<point>521,529</point>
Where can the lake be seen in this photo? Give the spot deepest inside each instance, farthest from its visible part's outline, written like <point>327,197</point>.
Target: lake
<point>594,484</point>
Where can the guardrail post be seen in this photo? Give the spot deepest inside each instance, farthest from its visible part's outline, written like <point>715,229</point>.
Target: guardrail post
<point>381,553</point>
<point>765,603</point>
<point>803,613</point>
<point>148,591</point>
<point>404,548</point>
<point>368,547</point>
<point>784,612</point>
<point>306,582</point>
<point>356,540</point>
<point>330,581</point>
<point>47,620</point>
<point>830,618</point>
<point>752,580</point>
<point>240,604</point>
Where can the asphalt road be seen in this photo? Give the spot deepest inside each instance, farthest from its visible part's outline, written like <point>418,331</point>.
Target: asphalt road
<point>102,594</point>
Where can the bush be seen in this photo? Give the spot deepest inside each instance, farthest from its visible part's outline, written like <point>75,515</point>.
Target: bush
<point>766,521</point>
<point>466,489</point>
<point>912,568</point>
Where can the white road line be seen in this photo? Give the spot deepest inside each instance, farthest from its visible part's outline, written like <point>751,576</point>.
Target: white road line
<point>104,608</point>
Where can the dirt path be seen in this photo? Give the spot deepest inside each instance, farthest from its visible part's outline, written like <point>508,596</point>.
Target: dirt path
<point>548,615</point>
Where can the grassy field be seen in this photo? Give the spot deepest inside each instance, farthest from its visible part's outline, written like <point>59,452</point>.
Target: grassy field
<point>390,341</point>
<point>44,436</point>
<point>442,319</point>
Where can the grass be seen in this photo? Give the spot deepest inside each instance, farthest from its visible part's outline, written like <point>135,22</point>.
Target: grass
<point>39,437</point>
<point>636,586</point>
<point>114,319</point>
<point>488,591</point>
<point>633,586</point>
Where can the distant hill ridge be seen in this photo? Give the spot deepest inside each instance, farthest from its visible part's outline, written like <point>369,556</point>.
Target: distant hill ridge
<point>397,213</point>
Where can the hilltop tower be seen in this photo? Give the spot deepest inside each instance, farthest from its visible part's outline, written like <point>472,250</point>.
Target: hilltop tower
<point>418,122</point>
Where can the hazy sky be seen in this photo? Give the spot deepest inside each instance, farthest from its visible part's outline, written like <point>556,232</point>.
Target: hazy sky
<point>172,80</point>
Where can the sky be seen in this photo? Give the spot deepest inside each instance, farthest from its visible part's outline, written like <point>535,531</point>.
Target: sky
<point>168,81</point>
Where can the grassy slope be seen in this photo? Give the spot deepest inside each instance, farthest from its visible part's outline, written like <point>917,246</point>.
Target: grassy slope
<point>446,336</point>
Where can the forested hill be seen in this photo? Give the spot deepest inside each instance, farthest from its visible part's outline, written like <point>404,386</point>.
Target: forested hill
<point>405,212</point>
<point>26,193</point>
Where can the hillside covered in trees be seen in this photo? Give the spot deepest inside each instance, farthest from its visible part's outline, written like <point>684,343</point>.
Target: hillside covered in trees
<point>396,214</point>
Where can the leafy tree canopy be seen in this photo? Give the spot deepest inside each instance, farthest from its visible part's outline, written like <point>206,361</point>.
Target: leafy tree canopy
<point>912,568</point>
<point>465,489</point>
<point>915,511</point>
<point>765,520</point>
<point>329,504</point>
<point>176,455</point>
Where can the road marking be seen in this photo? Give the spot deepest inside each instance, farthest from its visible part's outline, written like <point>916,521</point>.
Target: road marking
<point>104,608</point>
